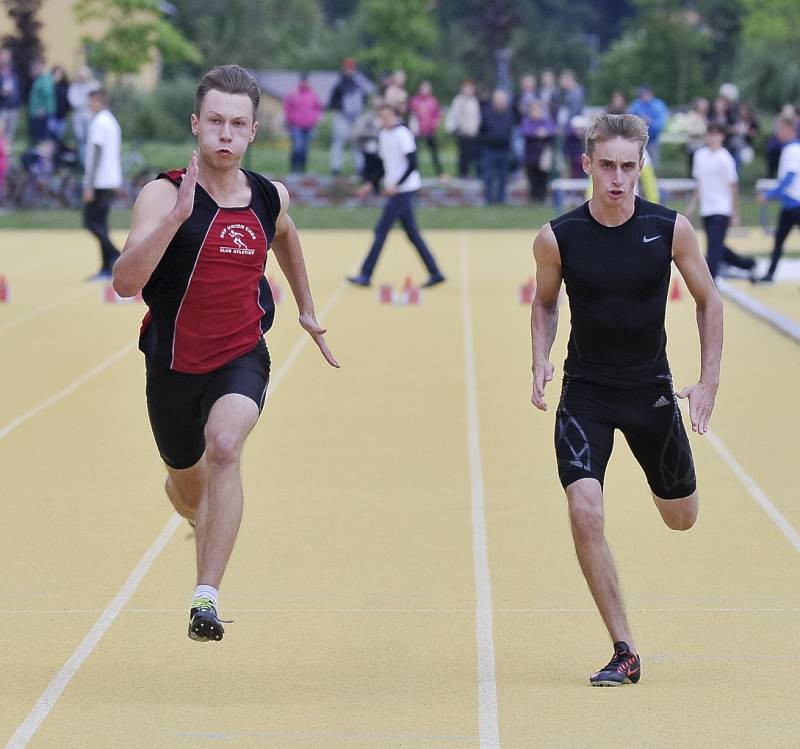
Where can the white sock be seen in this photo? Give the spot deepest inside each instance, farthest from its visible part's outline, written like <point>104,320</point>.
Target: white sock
<point>206,591</point>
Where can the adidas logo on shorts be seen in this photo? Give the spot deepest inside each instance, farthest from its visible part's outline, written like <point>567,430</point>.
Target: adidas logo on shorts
<point>662,401</point>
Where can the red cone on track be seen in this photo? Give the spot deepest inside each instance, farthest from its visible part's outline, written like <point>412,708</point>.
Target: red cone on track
<point>277,290</point>
<point>526,292</point>
<point>385,294</point>
<point>410,293</point>
<point>5,292</point>
<point>675,292</point>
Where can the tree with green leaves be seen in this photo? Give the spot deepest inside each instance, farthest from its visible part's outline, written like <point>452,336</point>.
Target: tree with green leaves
<point>135,31</point>
<point>25,45</point>
<point>398,36</point>
<point>769,63</point>
<point>664,45</point>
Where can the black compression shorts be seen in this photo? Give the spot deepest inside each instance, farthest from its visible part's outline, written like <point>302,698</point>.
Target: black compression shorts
<point>179,403</point>
<point>648,417</point>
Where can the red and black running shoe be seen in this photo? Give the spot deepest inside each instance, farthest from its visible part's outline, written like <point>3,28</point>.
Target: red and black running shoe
<point>624,668</point>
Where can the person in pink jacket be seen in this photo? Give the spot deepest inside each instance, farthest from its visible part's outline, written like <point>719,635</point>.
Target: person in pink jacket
<point>302,110</point>
<point>425,110</point>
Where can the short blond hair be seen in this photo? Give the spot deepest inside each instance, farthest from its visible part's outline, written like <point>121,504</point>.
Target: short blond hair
<point>608,126</point>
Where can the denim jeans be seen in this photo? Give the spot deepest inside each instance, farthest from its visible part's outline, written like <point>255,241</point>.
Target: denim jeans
<point>400,207</point>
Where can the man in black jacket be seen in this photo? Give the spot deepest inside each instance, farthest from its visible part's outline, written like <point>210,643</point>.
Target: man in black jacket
<point>346,103</point>
<point>495,137</point>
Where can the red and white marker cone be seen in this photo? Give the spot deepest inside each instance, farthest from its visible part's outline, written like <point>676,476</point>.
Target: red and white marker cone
<point>5,292</point>
<point>386,294</point>
<point>526,292</point>
<point>410,293</point>
<point>277,290</point>
<point>675,292</point>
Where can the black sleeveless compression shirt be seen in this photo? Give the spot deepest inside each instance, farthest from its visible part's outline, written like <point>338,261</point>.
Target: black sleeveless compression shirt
<point>617,281</point>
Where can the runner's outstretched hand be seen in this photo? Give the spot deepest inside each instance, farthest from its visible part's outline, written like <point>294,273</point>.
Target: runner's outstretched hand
<point>542,374</point>
<point>310,324</point>
<point>701,404</point>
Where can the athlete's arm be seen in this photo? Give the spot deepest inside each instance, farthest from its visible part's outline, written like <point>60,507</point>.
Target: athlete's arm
<point>544,310</point>
<point>693,268</point>
<point>157,215</point>
<point>289,253</point>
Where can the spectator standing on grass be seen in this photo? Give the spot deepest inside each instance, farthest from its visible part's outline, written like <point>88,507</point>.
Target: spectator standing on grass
<point>346,102</point>
<point>539,131</point>
<point>570,111</point>
<point>495,135</point>
<point>78,95</point>
<point>463,121</point>
<point>526,95</point>
<point>787,190</point>
<point>696,124</point>
<point>549,94</point>
<point>302,110</point>
<point>395,93</point>
<point>746,131</point>
<point>41,102</point>
<point>427,115</point>
<point>102,178</point>
<point>366,133</point>
<point>10,98</point>
<point>4,149</point>
<point>58,125</point>
<point>655,114</point>
<point>717,194</point>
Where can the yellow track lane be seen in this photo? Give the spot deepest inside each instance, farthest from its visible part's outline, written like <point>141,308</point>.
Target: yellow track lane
<point>352,580</point>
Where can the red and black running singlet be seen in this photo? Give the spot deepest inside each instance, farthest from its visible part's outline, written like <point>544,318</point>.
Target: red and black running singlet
<point>208,299</point>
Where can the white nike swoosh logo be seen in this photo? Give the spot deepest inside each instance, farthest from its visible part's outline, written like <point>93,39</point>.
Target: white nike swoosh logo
<point>647,239</point>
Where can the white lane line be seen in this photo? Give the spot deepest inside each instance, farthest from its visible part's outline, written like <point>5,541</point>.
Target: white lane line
<point>55,689</point>
<point>755,490</point>
<point>64,392</point>
<point>45,308</point>
<point>487,681</point>
<point>757,308</point>
<point>42,708</point>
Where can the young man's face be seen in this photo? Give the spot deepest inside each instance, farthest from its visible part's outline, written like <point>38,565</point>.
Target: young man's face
<point>387,117</point>
<point>714,140</point>
<point>224,128</point>
<point>614,168</point>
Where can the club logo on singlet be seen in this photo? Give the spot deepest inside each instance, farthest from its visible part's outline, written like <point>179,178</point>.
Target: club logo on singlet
<point>234,234</point>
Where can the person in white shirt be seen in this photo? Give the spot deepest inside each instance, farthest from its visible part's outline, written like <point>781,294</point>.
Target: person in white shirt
<point>102,178</point>
<point>717,193</point>
<point>78,97</point>
<point>401,181</point>
<point>787,191</point>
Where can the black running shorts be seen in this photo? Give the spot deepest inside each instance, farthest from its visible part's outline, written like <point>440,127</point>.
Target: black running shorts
<point>179,403</point>
<point>649,418</point>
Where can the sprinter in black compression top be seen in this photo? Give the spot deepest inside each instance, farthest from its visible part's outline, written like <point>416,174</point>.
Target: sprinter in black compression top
<point>614,255</point>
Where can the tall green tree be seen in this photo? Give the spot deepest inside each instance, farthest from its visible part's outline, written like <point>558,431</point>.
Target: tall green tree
<point>264,34</point>
<point>665,45</point>
<point>769,64</point>
<point>398,35</point>
<point>136,30</point>
<point>25,44</point>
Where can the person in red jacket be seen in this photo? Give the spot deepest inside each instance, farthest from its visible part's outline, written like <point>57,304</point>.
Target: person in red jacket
<point>426,111</point>
<point>302,110</point>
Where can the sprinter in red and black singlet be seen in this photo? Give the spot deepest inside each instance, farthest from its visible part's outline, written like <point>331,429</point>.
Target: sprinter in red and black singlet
<point>197,251</point>
<point>208,298</point>
<point>614,254</point>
